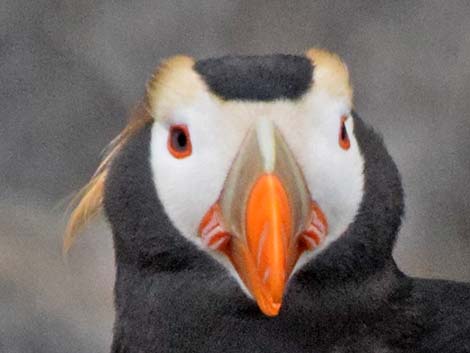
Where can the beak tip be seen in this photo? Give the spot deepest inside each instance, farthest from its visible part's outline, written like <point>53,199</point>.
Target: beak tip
<point>272,309</point>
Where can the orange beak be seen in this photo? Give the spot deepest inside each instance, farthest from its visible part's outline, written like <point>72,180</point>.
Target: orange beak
<point>268,229</point>
<point>265,218</point>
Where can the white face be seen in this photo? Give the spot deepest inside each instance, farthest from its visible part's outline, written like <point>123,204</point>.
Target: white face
<point>189,186</point>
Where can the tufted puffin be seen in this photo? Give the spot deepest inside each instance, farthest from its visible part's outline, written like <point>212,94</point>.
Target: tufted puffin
<point>253,210</point>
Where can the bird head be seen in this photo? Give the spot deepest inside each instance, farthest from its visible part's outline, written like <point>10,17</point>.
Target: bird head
<point>254,160</point>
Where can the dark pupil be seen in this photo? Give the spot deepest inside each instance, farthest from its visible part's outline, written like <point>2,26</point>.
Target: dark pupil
<point>344,133</point>
<point>179,140</point>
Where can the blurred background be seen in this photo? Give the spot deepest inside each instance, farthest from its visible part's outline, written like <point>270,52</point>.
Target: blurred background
<point>71,71</point>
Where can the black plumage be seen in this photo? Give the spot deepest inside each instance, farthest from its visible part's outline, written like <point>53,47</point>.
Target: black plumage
<point>172,297</point>
<point>259,78</point>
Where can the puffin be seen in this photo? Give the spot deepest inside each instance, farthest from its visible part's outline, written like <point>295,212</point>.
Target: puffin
<point>253,210</point>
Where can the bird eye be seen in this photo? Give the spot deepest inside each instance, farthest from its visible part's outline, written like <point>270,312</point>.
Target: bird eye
<point>179,142</point>
<point>343,134</point>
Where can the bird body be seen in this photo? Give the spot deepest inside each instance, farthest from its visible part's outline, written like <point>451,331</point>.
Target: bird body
<point>337,289</point>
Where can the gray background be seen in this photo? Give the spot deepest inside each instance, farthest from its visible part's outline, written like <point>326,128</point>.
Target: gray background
<point>70,72</point>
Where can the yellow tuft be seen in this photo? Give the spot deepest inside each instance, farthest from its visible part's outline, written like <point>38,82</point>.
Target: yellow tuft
<point>89,201</point>
<point>173,84</point>
<point>330,74</point>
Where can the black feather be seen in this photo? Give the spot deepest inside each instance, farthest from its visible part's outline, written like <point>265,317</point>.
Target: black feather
<point>260,78</point>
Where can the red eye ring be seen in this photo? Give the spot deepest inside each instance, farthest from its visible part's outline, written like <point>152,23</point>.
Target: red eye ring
<point>343,137</point>
<point>179,141</point>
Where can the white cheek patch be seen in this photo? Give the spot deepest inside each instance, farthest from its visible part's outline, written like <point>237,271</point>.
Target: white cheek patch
<point>333,175</point>
<point>188,187</point>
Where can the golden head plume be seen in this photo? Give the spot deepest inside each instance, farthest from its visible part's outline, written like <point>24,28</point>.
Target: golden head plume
<point>89,200</point>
